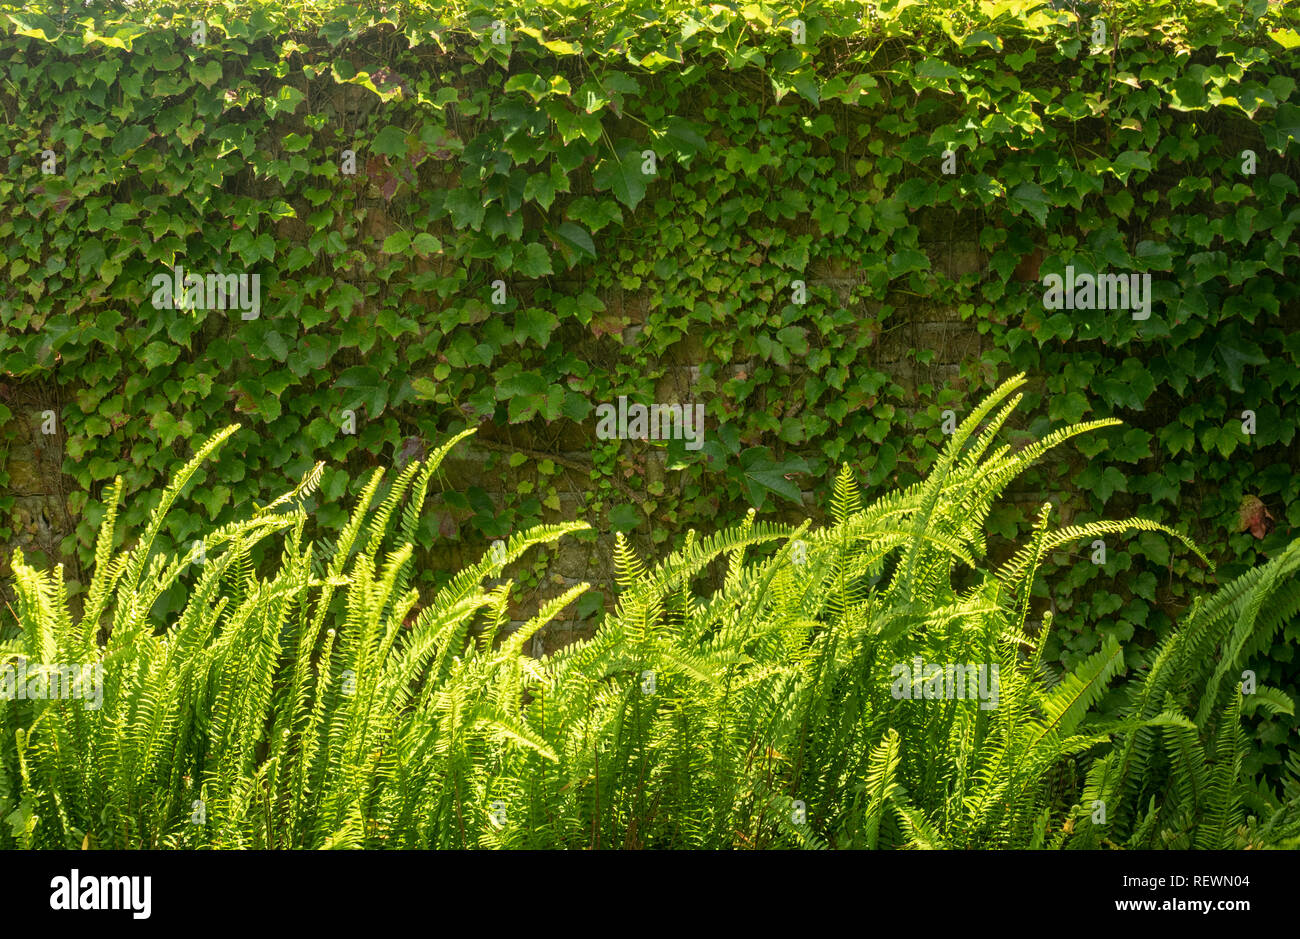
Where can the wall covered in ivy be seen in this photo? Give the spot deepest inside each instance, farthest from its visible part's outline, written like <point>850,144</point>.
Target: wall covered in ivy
<point>827,224</point>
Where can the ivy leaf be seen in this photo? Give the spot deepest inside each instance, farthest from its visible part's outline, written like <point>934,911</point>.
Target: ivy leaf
<point>1158,255</point>
<point>1160,487</point>
<point>906,260</point>
<point>1188,94</point>
<point>535,324</point>
<point>656,60</point>
<point>794,339</point>
<point>1104,482</point>
<point>684,137</point>
<point>1237,353</point>
<point>763,475</point>
<point>129,138</point>
<point>805,83</point>
<point>542,187</point>
<point>276,345</point>
<point>1284,128</point>
<point>575,241</point>
<point>522,384</point>
<point>536,86</point>
<point>1178,438</point>
<point>1068,407</point>
<point>934,68</point>
<point>1091,444</point>
<point>1155,547</point>
<point>368,386</point>
<point>594,213</point>
<point>623,518</point>
<point>34,25</point>
<point>425,244</point>
<point>1129,387</point>
<point>1252,514</point>
<point>466,208</point>
<point>212,499</point>
<point>524,408</point>
<point>916,192</point>
<point>391,141</point>
<point>425,389</point>
<point>287,98</point>
<point>1135,446</point>
<point>169,428</point>
<point>1128,161</point>
<point>574,124</point>
<point>1031,198</point>
<point>397,242</point>
<point>207,74</point>
<point>534,262</point>
<point>590,603</point>
<point>159,353</point>
<point>1286,38</point>
<point>1144,585</point>
<point>621,174</point>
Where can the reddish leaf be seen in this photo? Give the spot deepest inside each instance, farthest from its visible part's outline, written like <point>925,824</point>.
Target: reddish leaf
<point>1253,515</point>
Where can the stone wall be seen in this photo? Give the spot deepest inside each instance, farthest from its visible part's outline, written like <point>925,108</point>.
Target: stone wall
<point>32,459</point>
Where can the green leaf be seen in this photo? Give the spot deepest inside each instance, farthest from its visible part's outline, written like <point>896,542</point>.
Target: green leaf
<point>425,244</point>
<point>623,518</point>
<point>1068,407</point>
<point>535,324</point>
<point>1283,128</point>
<point>763,475</point>
<point>794,339</point>
<point>621,174</point>
<point>576,239</point>
<point>1178,438</point>
<point>207,74</point>
<point>397,242</point>
<point>524,383</point>
<point>368,387</point>
<point>534,262</point>
<point>1130,386</point>
<point>1031,198</point>
<point>467,208</point>
<point>806,84</point>
<point>276,345</point>
<point>684,137</point>
<point>287,99</point>
<point>129,138</point>
<point>938,69</point>
<point>594,213</point>
<point>1286,38</point>
<point>592,602</point>
<point>1129,161</point>
<point>391,141</point>
<point>159,353</point>
<point>1237,353</point>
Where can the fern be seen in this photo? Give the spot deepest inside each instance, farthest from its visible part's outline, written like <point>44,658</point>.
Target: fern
<point>809,698</point>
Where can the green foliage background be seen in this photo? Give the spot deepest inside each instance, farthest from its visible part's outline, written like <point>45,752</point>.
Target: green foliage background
<point>478,161</point>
